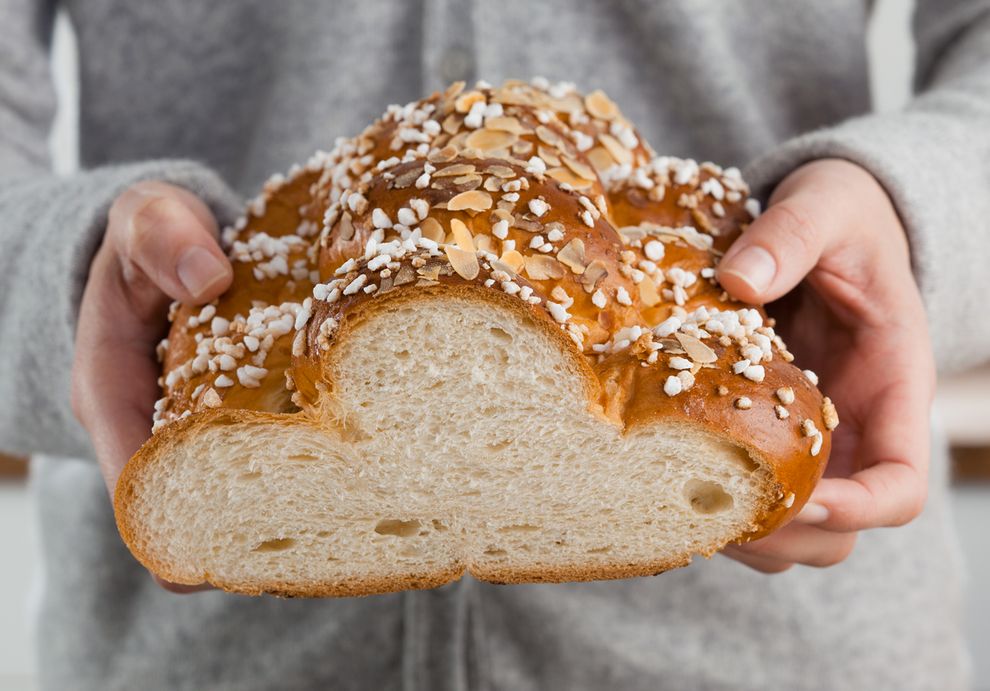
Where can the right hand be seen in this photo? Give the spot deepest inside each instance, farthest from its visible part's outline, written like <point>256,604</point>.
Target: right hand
<point>160,245</point>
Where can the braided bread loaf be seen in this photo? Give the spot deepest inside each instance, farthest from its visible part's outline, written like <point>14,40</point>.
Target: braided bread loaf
<point>483,335</point>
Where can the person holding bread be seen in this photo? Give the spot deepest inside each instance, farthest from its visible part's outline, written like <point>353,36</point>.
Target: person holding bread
<point>869,242</point>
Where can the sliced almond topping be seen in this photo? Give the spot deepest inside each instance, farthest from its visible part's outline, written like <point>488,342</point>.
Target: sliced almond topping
<point>572,256</point>
<point>540,267</point>
<point>600,158</point>
<point>211,399</point>
<point>580,169</point>
<point>472,200</point>
<point>548,155</point>
<point>648,294</point>
<point>695,348</point>
<point>447,153</point>
<point>484,243</point>
<point>547,135</point>
<point>504,172</point>
<point>464,263</point>
<point>452,123</point>
<point>455,170</point>
<point>600,106</point>
<point>502,215</point>
<point>462,236</point>
<point>489,140</point>
<point>404,275</point>
<point>565,175</point>
<point>465,101</point>
<point>593,275</point>
<point>431,228</point>
<point>513,260</point>
<point>345,230</point>
<point>619,153</point>
<point>505,124</point>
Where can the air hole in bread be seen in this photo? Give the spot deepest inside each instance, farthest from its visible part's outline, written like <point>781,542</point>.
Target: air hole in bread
<point>303,457</point>
<point>276,545</point>
<point>495,552</point>
<point>601,550</point>
<point>499,445</point>
<point>391,526</point>
<point>707,497</point>
<point>439,526</point>
<point>501,335</point>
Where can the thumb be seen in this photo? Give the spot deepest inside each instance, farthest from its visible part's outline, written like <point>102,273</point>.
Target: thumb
<point>165,237</point>
<point>779,249</point>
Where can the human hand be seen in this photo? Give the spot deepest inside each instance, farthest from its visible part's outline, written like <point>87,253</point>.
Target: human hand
<point>160,244</point>
<point>831,241</point>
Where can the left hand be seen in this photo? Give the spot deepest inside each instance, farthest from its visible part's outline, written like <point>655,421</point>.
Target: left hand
<point>831,241</point>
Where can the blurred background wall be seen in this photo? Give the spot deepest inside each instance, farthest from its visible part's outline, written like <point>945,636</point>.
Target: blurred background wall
<point>963,402</point>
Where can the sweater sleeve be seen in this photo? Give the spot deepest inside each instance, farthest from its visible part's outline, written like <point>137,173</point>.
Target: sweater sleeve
<point>50,226</point>
<point>933,158</point>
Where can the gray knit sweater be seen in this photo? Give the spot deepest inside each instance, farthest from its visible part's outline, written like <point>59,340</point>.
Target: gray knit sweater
<point>216,96</point>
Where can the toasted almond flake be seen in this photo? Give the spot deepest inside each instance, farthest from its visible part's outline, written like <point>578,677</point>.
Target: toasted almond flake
<point>465,263</point>
<point>211,399</point>
<point>547,135</point>
<point>456,170</point>
<point>513,260</point>
<point>648,294</point>
<point>593,274</point>
<point>504,172</point>
<point>621,154</point>
<point>695,348</point>
<point>452,123</point>
<point>541,268</point>
<point>601,159</point>
<point>484,243</point>
<point>600,106</point>
<point>567,176</point>
<point>431,229</point>
<point>466,100</point>
<point>345,228</point>
<point>490,139</point>
<point>580,169</point>
<point>462,236</point>
<point>472,200</point>
<point>505,123</point>
<point>572,256</point>
<point>549,155</point>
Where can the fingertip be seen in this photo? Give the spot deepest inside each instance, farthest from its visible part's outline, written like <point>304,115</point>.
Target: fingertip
<point>203,274</point>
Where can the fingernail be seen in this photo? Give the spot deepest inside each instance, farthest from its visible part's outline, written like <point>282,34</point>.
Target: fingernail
<point>199,270</point>
<point>754,266</point>
<point>812,514</point>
